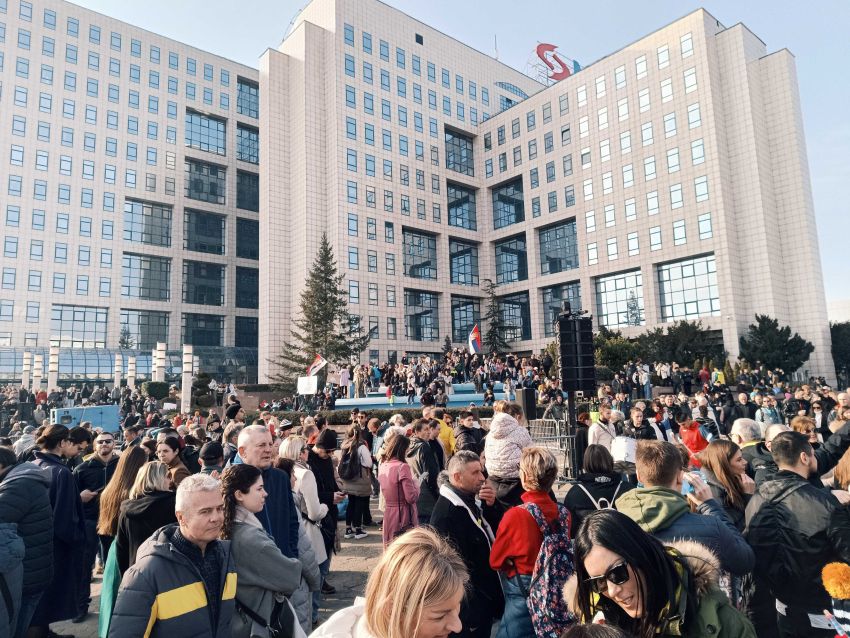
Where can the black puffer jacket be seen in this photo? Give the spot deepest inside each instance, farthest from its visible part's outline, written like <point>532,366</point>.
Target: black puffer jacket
<point>137,520</point>
<point>93,474</point>
<point>25,500</point>
<point>605,485</point>
<point>795,529</point>
<point>425,469</point>
<point>469,439</point>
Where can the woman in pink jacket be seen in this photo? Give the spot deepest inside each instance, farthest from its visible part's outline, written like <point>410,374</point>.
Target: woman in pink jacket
<point>399,489</point>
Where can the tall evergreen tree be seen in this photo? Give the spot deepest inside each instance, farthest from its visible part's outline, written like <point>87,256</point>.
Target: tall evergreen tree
<point>494,333</point>
<point>774,346</point>
<point>323,325</point>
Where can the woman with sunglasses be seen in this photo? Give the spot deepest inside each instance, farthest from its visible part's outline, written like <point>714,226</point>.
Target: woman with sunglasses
<point>647,589</point>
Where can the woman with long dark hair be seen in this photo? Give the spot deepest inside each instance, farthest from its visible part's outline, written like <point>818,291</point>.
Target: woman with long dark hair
<point>647,589</point>
<point>399,489</point>
<point>265,574</point>
<point>597,487</point>
<point>358,485</point>
<point>725,471</point>
<point>59,601</point>
<point>118,490</point>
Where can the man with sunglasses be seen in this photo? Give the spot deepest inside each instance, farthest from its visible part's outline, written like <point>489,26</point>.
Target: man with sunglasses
<point>92,475</point>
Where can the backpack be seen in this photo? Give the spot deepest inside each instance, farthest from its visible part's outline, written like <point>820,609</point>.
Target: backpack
<point>349,466</point>
<point>603,503</point>
<point>550,614</point>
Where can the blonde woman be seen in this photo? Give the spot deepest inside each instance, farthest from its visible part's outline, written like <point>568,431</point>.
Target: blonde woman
<point>305,492</point>
<point>414,592</point>
<point>151,506</point>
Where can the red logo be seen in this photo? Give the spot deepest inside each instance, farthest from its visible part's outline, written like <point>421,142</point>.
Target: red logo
<point>559,69</point>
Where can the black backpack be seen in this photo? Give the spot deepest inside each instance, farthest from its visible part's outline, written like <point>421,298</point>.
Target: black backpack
<point>349,466</point>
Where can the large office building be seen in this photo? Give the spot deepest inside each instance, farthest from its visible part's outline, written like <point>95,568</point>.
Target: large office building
<point>168,194</point>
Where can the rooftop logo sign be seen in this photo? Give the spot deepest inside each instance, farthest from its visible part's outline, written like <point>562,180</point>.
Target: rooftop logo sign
<point>558,68</point>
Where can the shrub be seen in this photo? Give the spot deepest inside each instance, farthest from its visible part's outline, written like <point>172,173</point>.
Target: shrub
<point>155,389</point>
<point>205,401</point>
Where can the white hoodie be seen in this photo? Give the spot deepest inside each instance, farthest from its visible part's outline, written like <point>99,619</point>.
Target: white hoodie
<point>503,446</point>
<point>346,623</point>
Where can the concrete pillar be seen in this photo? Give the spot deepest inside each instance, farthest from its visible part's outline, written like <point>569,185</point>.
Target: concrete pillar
<point>158,373</point>
<point>27,371</point>
<point>186,383</point>
<point>53,368</point>
<point>119,370</point>
<point>37,372</point>
<point>131,373</point>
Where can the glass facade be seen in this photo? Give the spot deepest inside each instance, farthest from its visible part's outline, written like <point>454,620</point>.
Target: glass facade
<point>203,330</point>
<point>203,283</point>
<point>516,316</point>
<point>247,191</point>
<point>466,312</point>
<point>247,331</point>
<point>511,260</point>
<point>247,238</point>
<point>558,248</point>
<point>248,98</point>
<point>145,277</point>
<point>78,326</point>
<point>206,133</point>
<point>143,329</point>
<point>461,201</point>
<point>619,300</point>
<point>459,157</point>
<point>247,144</point>
<point>203,232</point>
<point>508,204</point>
<point>147,223</point>
<point>553,301</point>
<point>688,288</point>
<point>247,287</point>
<point>463,262</point>
<point>205,182</point>
<point>420,255</point>
<point>421,315</point>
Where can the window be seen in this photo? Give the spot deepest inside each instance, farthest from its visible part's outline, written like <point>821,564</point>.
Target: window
<point>145,277</point>
<point>701,188</point>
<point>612,248</point>
<point>663,54</point>
<point>419,253</point>
<point>655,238</point>
<point>203,283</point>
<point>558,248</point>
<point>694,119</point>
<point>353,291</point>
<point>649,168</point>
<point>679,236</point>
<point>675,196</point>
<point>619,300</point>
<point>144,328</point>
<point>704,225</point>
<point>205,133</point>
<point>352,225</point>
<point>459,155</point>
<point>515,312</point>
<point>247,191</point>
<point>697,152</point>
<point>204,232</point>
<point>421,316</point>
<point>602,118</point>
<point>246,333</point>
<point>463,262</point>
<point>590,221</point>
<point>687,45</point>
<point>640,67</point>
<point>666,90</point>
<point>508,204</point>
<point>203,330</point>
<point>511,260</point>
<point>652,203</point>
<point>587,187</point>
<point>688,289</point>
<point>646,133</point>
<point>248,98</point>
<point>633,244</point>
<point>147,223</point>
<point>248,289</point>
<point>348,34</point>
<point>248,144</point>
<point>466,313</point>
<point>78,326</point>
<point>690,77</point>
<point>389,232</point>
<point>461,205</point>
<point>205,182</point>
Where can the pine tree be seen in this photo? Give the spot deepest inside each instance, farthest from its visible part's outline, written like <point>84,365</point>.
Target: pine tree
<point>447,345</point>
<point>494,333</point>
<point>125,339</point>
<point>323,325</point>
<point>774,346</point>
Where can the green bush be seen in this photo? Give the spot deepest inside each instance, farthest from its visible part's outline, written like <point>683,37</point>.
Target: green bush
<point>205,401</point>
<point>343,417</point>
<point>604,374</point>
<point>155,389</point>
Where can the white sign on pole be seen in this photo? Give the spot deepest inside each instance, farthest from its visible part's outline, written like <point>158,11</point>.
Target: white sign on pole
<point>307,385</point>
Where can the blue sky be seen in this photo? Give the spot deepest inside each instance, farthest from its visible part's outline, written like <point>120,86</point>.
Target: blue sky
<point>816,34</point>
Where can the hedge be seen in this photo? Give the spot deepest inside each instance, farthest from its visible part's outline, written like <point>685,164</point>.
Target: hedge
<point>155,389</point>
<point>343,417</point>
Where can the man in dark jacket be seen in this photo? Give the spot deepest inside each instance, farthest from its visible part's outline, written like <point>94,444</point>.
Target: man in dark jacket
<point>92,475</point>
<point>747,434</point>
<point>743,409</point>
<point>660,509</point>
<point>827,455</point>
<point>425,469</point>
<point>795,529</point>
<point>467,436</point>
<point>278,516</point>
<point>458,517</point>
<point>25,501</point>
<point>183,582</point>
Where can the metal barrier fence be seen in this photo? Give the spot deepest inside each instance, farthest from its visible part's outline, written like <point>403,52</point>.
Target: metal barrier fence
<point>556,437</point>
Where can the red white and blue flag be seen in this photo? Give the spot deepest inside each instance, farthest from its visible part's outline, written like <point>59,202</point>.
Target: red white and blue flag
<point>318,363</point>
<point>474,340</point>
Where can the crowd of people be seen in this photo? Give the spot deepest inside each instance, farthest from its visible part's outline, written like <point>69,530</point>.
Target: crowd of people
<point>701,513</point>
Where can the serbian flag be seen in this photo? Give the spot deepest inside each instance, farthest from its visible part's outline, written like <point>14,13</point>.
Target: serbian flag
<point>474,340</point>
<point>318,363</point>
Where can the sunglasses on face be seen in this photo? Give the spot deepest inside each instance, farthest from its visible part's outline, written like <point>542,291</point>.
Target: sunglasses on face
<point>616,575</point>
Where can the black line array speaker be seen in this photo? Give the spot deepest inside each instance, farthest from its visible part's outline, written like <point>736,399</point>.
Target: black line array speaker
<point>575,340</point>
